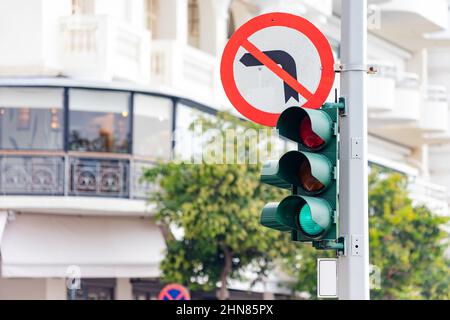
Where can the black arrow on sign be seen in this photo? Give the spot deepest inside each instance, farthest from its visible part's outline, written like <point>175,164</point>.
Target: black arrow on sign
<point>279,57</point>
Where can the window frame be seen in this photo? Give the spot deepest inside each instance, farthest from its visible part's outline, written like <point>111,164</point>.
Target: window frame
<point>56,151</point>
<point>130,119</point>
<point>65,108</point>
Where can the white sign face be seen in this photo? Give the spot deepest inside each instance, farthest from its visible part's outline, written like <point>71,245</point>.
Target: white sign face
<point>275,61</point>
<point>289,49</point>
<point>327,278</point>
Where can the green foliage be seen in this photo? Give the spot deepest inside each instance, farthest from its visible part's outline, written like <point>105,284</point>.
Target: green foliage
<point>406,243</point>
<point>218,208</point>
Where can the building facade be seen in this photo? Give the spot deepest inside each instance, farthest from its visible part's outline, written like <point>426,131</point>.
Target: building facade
<point>92,91</point>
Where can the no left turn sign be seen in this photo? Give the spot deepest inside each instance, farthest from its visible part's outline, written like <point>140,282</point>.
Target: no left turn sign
<point>275,61</point>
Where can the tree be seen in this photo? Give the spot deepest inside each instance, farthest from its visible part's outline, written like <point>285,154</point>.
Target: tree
<point>406,245</point>
<point>218,207</point>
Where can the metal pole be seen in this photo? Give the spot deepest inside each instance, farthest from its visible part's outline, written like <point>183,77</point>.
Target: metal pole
<point>353,268</point>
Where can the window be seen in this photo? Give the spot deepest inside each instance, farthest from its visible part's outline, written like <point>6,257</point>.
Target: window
<point>31,119</point>
<point>231,24</point>
<point>99,121</point>
<point>82,7</point>
<point>146,289</point>
<point>152,136</point>
<point>188,142</point>
<point>152,15</point>
<point>94,289</point>
<point>193,24</point>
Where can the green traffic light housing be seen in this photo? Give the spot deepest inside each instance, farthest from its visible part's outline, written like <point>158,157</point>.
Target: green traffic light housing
<point>310,214</point>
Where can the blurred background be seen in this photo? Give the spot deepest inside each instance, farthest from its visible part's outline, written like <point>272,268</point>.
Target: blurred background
<point>91,92</point>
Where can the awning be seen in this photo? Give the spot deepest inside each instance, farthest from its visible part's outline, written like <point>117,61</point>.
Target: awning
<point>39,245</point>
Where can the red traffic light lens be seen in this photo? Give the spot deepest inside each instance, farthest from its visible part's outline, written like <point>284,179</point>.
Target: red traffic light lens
<point>309,138</point>
<point>307,181</point>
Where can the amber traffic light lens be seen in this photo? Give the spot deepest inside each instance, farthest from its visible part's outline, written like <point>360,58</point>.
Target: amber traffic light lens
<point>307,181</point>
<point>309,138</point>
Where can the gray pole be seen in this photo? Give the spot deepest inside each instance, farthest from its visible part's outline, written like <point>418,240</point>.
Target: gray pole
<point>353,268</point>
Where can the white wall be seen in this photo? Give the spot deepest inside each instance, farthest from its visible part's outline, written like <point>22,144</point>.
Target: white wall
<point>172,20</point>
<point>131,11</point>
<point>124,289</point>
<point>21,43</point>
<point>32,289</point>
<point>213,25</point>
<point>28,30</point>
<point>55,289</point>
<point>52,12</point>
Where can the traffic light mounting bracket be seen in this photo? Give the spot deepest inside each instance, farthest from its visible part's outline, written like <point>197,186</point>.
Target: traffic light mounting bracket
<point>338,245</point>
<point>340,105</point>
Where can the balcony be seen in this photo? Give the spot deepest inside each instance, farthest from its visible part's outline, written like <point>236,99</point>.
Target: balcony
<point>434,111</point>
<point>381,88</point>
<point>406,21</point>
<point>407,100</point>
<point>401,125</point>
<point>62,174</point>
<point>420,15</point>
<point>310,9</point>
<point>439,60</point>
<point>324,7</point>
<point>100,48</point>
<point>187,70</point>
<point>337,5</point>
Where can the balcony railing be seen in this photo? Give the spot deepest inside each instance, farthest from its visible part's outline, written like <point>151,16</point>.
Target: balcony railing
<point>32,175</point>
<point>381,82</point>
<point>434,196</point>
<point>99,177</point>
<point>385,70</point>
<point>437,93</point>
<point>100,47</point>
<point>184,68</point>
<point>73,176</point>
<point>408,81</point>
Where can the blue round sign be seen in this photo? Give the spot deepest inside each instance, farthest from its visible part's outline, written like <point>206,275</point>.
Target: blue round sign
<point>174,291</point>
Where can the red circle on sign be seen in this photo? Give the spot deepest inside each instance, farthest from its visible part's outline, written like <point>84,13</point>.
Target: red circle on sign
<point>241,36</point>
<point>174,291</point>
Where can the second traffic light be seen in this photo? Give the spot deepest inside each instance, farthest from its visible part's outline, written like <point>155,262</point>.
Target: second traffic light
<point>311,172</point>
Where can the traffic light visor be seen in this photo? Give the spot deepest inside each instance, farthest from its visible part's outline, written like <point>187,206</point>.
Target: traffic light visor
<point>312,216</point>
<point>309,127</point>
<point>312,172</point>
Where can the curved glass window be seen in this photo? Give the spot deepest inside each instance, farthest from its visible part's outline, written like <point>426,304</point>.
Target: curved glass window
<point>99,121</point>
<point>31,119</point>
<point>152,126</point>
<point>190,141</point>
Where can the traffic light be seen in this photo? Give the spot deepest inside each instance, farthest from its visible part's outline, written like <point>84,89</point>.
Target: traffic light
<point>310,213</point>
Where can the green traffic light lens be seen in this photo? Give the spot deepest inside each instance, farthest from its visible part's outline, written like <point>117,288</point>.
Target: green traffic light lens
<point>307,223</point>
